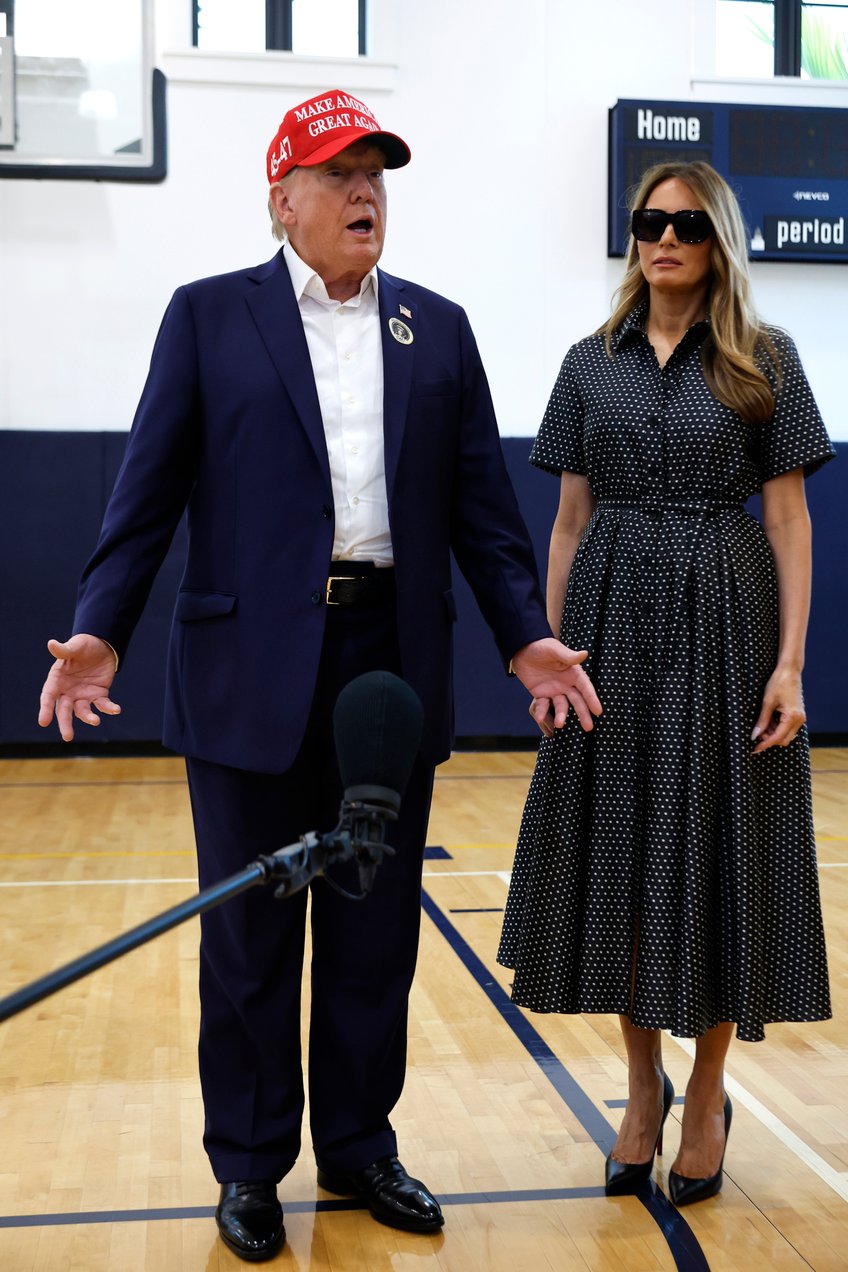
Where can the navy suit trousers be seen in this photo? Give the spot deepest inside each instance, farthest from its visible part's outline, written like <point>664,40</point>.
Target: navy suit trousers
<point>251,958</point>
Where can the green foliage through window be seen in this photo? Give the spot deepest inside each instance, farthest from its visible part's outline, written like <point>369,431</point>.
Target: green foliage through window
<point>807,39</point>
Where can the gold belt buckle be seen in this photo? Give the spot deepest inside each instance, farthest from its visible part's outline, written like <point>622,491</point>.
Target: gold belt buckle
<point>334,578</point>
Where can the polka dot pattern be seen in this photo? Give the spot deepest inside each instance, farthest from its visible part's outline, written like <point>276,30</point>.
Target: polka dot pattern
<point>660,830</point>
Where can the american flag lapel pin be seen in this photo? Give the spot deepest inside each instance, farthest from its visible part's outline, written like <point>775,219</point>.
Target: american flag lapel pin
<point>401,332</point>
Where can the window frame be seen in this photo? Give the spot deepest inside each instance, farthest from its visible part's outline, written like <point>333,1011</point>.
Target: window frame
<point>787,37</point>
<point>279,26</point>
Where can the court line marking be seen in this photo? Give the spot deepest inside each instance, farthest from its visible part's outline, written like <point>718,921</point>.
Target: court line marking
<point>837,1180</point>
<point>681,1240</point>
<point>97,852</point>
<point>484,777</point>
<point>457,847</point>
<point>87,883</point>
<point>503,875</point>
<point>833,1178</point>
<point>81,785</point>
<point>181,781</point>
<point>70,1218</point>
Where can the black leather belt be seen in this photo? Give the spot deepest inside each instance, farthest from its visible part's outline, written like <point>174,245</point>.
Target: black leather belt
<point>371,587</point>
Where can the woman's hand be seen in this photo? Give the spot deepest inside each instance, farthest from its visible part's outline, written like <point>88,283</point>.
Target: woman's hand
<point>782,712</point>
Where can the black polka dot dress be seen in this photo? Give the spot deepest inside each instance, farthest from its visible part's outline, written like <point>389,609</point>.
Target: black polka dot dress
<point>659,830</point>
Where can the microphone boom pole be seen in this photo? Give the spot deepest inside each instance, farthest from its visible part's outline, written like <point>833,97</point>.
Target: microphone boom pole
<point>293,868</point>
<point>377,724</point>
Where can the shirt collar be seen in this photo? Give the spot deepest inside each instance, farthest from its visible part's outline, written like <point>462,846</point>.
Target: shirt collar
<point>633,328</point>
<point>306,282</point>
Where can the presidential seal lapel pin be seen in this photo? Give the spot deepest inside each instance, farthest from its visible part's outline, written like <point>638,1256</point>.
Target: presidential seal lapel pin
<point>400,331</point>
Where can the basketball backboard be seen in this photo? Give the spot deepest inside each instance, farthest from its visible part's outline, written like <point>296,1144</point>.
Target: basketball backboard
<point>79,96</point>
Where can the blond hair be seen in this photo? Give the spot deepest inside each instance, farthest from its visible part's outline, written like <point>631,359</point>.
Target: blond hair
<point>739,347</point>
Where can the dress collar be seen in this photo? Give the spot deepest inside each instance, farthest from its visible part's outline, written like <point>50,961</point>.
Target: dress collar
<point>634,327</point>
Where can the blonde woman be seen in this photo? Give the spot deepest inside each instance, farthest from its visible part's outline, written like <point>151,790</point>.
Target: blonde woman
<point>665,868</point>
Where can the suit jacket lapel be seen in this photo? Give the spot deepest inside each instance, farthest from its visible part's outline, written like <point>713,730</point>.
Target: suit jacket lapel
<point>276,314</point>
<point>398,360</point>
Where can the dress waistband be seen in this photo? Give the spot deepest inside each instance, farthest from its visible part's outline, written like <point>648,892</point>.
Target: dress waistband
<point>660,504</point>
<point>699,510</point>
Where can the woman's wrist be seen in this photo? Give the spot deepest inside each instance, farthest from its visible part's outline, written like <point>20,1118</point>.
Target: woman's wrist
<point>789,666</point>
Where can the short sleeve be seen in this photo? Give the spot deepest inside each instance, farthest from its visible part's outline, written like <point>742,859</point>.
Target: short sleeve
<point>559,442</point>
<point>795,436</point>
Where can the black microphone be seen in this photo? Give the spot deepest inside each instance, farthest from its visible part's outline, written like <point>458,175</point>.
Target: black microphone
<point>377,725</point>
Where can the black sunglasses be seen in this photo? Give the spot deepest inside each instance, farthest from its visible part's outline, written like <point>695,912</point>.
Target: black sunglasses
<point>648,225</point>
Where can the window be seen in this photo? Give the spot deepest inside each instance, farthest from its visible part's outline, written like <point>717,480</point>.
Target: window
<point>745,38</point>
<point>824,40</point>
<point>323,28</point>
<point>782,37</point>
<point>79,98</point>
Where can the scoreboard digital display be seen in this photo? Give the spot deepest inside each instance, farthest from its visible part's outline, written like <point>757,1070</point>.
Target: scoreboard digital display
<point>787,165</point>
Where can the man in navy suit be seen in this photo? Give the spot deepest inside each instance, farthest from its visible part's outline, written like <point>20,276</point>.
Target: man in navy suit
<point>330,431</point>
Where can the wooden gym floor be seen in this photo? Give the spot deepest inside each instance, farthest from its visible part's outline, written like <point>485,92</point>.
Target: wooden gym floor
<point>507,1115</point>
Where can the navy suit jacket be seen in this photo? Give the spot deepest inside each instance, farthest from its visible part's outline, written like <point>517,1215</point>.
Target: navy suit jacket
<point>229,427</point>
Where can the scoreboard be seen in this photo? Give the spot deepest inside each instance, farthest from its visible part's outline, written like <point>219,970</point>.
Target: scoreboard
<point>787,165</point>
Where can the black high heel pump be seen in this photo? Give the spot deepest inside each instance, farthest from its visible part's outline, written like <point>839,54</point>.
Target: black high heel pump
<point>625,1177</point>
<point>684,1191</point>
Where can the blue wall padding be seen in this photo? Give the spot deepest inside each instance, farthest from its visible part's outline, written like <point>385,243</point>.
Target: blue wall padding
<point>53,489</point>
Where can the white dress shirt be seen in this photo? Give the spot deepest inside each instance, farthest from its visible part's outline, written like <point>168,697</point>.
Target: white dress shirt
<point>347,361</point>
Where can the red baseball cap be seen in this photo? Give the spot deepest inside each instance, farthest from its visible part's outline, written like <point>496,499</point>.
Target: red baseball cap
<point>321,127</point>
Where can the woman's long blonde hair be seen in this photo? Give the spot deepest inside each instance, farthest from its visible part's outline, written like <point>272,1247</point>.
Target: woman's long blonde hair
<point>738,343</point>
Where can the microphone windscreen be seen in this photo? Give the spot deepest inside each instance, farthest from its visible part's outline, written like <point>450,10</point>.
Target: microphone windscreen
<point>377,725</point>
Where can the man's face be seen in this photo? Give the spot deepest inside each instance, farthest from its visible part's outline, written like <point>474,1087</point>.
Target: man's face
<point>335,215</point>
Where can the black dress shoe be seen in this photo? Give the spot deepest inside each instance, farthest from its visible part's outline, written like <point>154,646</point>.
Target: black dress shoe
<point>392,1196</point>
<point>250,1219</point>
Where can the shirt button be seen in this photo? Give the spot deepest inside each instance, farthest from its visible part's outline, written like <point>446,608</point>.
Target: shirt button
<point>316,598</point>
<point>354,450</point>
<point>346,357</point>
<point>653,421</point>
<point>355,499</point>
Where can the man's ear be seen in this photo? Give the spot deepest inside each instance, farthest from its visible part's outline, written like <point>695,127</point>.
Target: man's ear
<point>283,210</point>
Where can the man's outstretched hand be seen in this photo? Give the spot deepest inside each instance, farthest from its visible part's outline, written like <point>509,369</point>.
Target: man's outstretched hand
<point>78,681</point>
<point>552,674</point>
